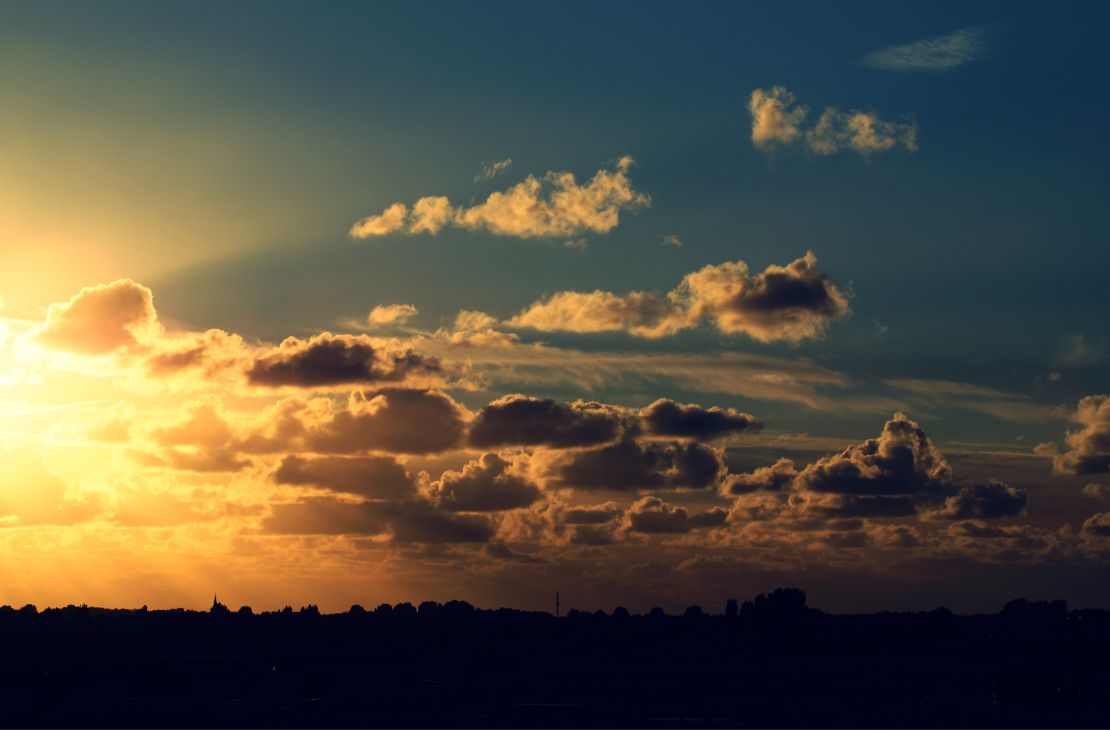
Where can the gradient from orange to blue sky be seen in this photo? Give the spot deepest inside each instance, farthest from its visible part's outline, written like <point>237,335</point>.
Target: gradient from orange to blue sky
<point>621,298</point>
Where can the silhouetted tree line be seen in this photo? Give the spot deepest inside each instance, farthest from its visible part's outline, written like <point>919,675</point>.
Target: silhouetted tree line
<point>1033,663</point>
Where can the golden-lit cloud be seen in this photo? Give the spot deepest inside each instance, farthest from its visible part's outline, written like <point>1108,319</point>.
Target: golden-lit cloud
<point>100,319</point>
<point>555,205</point>
<point>390,314</point>
<point>1088,449</point>
<point>791,303</point>
<point>778,124</point>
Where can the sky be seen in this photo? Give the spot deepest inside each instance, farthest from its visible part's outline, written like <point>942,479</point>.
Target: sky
<point>648,303</point>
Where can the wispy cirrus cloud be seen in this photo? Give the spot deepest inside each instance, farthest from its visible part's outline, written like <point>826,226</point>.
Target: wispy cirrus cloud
<point>942,53</point>
<point>492,170</point>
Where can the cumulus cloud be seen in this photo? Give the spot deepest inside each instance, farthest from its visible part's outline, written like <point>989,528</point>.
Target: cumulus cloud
<point>488,484</point>
<point>390,221</point>
<point>555,205</point>
<point>791,303</point>
<point>652,515</point>
<point>861,132</point>
<point>492,170</point>
<point>898,474</point>
<point>328,359</point>
<point>202,440</point>
<point>983,502</point>
<point>629,465</point>
<point>101,319</point>
<point>520,420</point>
<point>778,124</point>
<point>1088,448</point>
<point>942,53</point>
<point>767,478</point>
<point>370,477</point>
<point>390,314</point>
<point>775,119</point>
<point>665,417</point>
<point>396,420</point>
<point>672,240</point>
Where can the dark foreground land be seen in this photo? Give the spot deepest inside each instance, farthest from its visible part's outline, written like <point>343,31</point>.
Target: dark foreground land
<point>773,663</point>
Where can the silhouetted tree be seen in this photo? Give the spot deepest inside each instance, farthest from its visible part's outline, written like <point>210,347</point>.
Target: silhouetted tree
<point>731,608</point>
<point>621,613</point>
<point>694,612</point>
<point>404,609</point>
<point>356,610</point>
<point>383,610</point>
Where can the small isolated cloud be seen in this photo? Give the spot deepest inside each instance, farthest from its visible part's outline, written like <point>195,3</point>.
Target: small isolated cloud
<point>492,170</point>
<point>578,244</point>
<point>100,319</point>
<point>672,240</point>
<point>665,417</point>
<point>390,314</point>
<point>778,124</point>
<point>555,205</point>
<point>791,303</point>
<point>942,53</point>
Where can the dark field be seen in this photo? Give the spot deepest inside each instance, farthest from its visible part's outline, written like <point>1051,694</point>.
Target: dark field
<point>776,663</point>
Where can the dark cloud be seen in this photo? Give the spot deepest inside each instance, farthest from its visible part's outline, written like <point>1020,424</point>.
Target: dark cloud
<point>407,522</point>
<point>520,420</point>
<point>901,461</point>
<point>1089,447</point>
<point>485,485</point>
<point>396,420</point>
<point>899,474</point>
<point>325,516</point>
<point>1098,524</point>
<point>983,501</point>
<point>665,417</point>
<point>630,465</point>
<point>766,478</point>
<point>652,515</point>
<point>373,477</point>
<point>420,522</point>
<point>330,359</point>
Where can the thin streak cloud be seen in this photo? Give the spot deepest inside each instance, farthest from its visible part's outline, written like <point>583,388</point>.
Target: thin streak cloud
<point>943,53</point>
